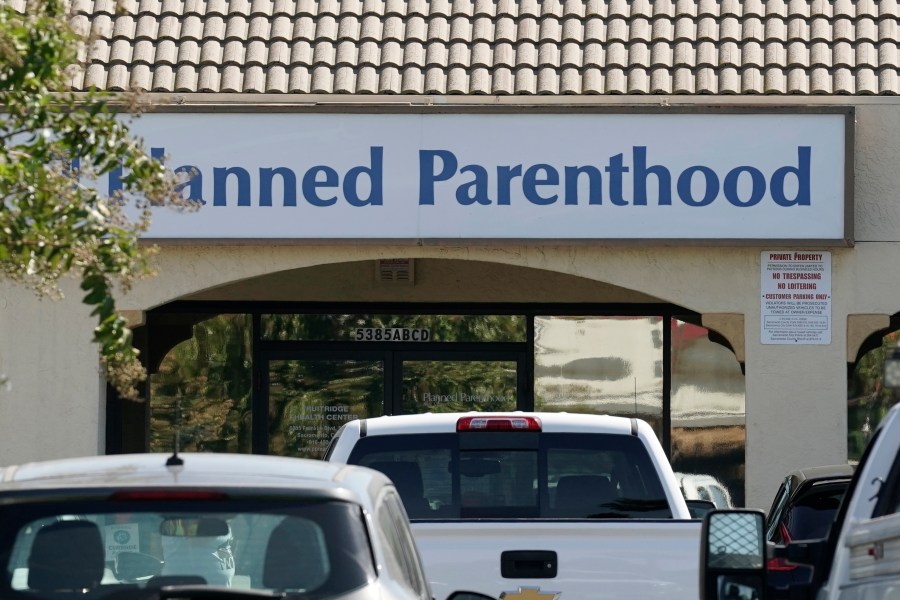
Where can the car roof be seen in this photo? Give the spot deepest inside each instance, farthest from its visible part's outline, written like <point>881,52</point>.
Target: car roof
<point>198,469</point>
<point>446,422</point>
<point>841,471</point>
<point>804,479</point>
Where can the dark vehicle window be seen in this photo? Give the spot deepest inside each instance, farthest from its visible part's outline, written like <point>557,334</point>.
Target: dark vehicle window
<point>811,516</point>
<point>518,475</point>
<point>108,546</point>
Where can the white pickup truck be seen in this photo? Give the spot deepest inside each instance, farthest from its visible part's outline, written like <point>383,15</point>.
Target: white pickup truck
<point>860,558</point>
<point>535,505</point>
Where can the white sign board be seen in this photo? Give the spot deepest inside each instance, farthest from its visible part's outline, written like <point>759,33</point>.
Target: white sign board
<point>123,537</point>
<point>506,176</point>
<point>796,297</point>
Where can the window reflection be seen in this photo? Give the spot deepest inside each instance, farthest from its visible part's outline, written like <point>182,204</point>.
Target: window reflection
<point>867,400</point>
<point>204,384</point>
<point>309,400</point>
<point>600,365</point>
<point>708,417</point>
<point>458,385</point>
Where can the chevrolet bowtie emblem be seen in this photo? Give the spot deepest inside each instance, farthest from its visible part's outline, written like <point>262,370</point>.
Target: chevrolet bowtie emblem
<point>529,593</point>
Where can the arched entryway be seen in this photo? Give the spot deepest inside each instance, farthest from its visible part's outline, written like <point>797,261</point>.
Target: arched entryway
<point>275,364</point>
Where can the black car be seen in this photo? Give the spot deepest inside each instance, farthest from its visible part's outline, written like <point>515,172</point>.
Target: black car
<point>803,509</point>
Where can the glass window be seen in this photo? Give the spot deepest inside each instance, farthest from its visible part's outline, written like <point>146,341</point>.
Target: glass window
<point>109,546</point>
<point>518,475</point>
<point>393,328</point>
<point>309,400</point>
<point>708,416</point>
<point>868,401</point>
<point>202,389</point>
<point>600,365</point>
<point>458,385</point>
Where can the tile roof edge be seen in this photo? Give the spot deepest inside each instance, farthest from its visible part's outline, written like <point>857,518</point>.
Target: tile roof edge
<point>243,102</point>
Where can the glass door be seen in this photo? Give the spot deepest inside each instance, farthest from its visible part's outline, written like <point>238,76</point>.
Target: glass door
<point>310,395</point>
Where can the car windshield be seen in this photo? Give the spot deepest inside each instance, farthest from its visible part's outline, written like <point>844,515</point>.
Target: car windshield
<point>97,549</point>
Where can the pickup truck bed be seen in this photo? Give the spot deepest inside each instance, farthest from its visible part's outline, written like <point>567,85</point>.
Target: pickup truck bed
<point>646,558</point>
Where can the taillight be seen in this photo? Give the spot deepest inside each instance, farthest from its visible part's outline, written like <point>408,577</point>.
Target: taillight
<point>779,564</point>
<point>507,423</point>
<point>167,495</point>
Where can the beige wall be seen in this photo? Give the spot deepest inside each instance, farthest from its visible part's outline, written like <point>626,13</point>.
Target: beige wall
<point>795,395</point>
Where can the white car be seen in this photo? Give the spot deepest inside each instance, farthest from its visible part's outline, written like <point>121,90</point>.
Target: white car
<point>156,526</point>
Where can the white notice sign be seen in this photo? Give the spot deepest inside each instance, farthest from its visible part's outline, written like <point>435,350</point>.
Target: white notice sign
<point>795,288</point>
<point>123,537</point>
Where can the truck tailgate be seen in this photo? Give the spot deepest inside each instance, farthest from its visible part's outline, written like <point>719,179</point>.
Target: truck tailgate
<point>594,559</point>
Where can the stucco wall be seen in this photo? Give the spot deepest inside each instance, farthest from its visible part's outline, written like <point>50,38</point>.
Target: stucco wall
<point>795,395</point>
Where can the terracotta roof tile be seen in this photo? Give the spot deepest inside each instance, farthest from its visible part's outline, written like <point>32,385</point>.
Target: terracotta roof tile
<point>186,78</point>
<point>260,28</point>
<point>527,55</point>
<point>121,51</point>
<point>797,81</point>
<point>504,56</point>
<point>570,81</point>
<point>322,80</point>
<point>592,82</point>
<point>483,29</point>
<point>479,81</point>
<point>234,53</point>
<point>163,78</point>
<point>141,77</point>
<point>660,80</point>
<point>214,28</point>
<point>503,82</point>
<point>888,79</point>
<point>843,81</point>
<point>460,30</point>
<point>144,52</point>
<point>208,80</point>
<point>369,54</point>
<point>344,80</point>
<point>571,55</point>
<point>798,30</point>
<point>820,81</point>
<point>366,80</point>
<point>457,81</point>
<point>729,81</point>
<point>257,53</point>
<point>554,47</point>
<point>482,55</point>
<point>299,80</point>
<point>663,30</point>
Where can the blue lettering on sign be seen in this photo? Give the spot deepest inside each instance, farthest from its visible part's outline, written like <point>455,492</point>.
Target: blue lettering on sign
<point>539,184</point>
<point>442,177</point>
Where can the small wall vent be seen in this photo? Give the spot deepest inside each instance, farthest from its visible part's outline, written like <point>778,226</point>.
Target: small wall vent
<point>395,270</point>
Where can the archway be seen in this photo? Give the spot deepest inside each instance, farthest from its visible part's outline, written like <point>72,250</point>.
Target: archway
<point>246,366</point>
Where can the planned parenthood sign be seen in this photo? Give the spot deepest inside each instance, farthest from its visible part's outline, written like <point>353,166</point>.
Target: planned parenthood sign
<point>429,177</point>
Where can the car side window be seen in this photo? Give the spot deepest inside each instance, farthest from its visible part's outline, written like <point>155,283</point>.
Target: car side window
<point>773,531</point>
<point>403,561</point>
<point>889,494</point>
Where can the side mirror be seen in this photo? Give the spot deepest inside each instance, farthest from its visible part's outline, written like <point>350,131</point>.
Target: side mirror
<point>699,508</point>
<point>733,555</point>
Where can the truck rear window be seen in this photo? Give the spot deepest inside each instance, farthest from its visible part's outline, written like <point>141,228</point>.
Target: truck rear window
<point>515,475</point>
